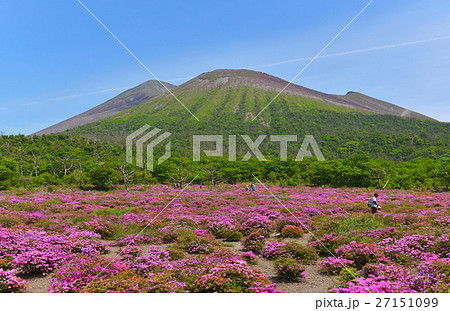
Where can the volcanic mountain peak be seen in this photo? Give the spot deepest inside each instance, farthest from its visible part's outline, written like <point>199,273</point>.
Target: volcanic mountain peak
<point>234,78</point>
<point>224,90</point>
<point>241,77</point>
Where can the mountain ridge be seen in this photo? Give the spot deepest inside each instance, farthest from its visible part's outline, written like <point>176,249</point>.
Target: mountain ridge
<point>243,77</point>
<point>363,99</point>
<point>144,93</point>
<point>125,100</point>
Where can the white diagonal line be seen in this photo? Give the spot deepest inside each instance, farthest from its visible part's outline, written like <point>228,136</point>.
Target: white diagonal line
<point>315,57</point>
<point>309,231</point>
<point>135,57</point>
<point>140,232</point>
<point>350,52</point>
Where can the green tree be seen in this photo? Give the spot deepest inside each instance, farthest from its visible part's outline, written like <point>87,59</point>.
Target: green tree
<point>9,173</point>
<point>103,177</point>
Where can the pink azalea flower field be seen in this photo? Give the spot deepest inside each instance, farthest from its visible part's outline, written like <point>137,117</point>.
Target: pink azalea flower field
<point>159,239</point>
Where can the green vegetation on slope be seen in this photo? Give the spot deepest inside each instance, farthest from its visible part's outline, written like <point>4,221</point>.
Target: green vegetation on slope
<point>222,110</point>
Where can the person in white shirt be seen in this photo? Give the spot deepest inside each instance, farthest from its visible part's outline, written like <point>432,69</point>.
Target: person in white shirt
<point>373,204</point>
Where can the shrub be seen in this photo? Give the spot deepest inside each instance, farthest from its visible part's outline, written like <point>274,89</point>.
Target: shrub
<point>304,254</point>
<point>168,235</point>
<point>442,246</point>
<point>379,278</point>
<point>364,222</point>
<point>38,252</point>
<point>334,266</point>
<point>254,242</point>
<point>288,269</point>
<point>190,269</point>
<point>154,261</point>
<point>274,249</point>
<point>360,253</point>
<point>47,179</point>
<point>291,232</point>
<point>200,246</point>
<point>165,283</point>
<point>194,244</point>
<point>79,271</point>
<point>232,235</point>
<point>103,177</point>
<point>436,275</point>
<point>250,258</point>
<point>122,282</point>
<point>99,226</point>
<point>175,253</point>
<point>220,227</point>
<point>129,282</point>
<point>232,278</point>
<point>131,251</point>
<point>6,262</point>
<point>86,242</point>
<point>9,221</point>
<point>258,222</point>
<point>10,283</point>
<point>328,243</point>
<point>348,275</point>
<point>411,248</point>
<point>284,222</point>
<point>9,173</point>
<point>204,233</point>
<point>38,261</point>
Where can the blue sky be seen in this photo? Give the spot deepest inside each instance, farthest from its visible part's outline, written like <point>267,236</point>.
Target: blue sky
<point>56,61</point>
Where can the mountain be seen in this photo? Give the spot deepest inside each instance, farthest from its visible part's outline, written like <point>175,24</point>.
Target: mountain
<point>227,101</point>
<point>378,106</point>
<point>260,80</point>
<point>121,102</point>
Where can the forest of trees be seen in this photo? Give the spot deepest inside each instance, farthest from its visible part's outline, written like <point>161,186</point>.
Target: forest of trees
<point>78,162</point>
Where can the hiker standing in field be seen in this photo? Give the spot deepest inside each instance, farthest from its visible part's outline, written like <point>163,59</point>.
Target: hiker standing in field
<point>373,204</point>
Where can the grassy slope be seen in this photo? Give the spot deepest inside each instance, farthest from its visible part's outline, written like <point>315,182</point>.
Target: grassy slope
<point>223,110</point>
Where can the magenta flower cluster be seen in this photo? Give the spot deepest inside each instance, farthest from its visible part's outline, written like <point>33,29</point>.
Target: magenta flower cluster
<point>10,283</point>
<point>404,248</point>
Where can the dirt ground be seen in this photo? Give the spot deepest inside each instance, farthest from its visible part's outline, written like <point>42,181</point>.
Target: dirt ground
<point>315,283</point>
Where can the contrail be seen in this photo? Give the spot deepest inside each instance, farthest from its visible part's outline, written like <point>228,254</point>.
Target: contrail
<point>314,58</point>
<point>76,95</point>
<point>92,93</point>
<point>375,48</point>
